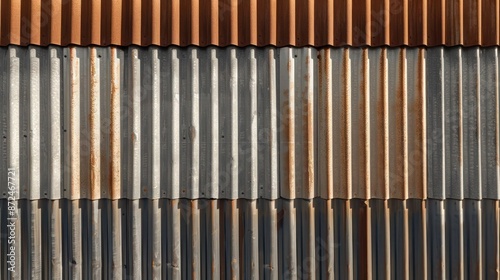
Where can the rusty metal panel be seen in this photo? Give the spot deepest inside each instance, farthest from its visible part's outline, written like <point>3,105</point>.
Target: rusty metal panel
<point>463,123</point>
<point>255,22</point>
<point>213,239</point>
<point>352,123</point>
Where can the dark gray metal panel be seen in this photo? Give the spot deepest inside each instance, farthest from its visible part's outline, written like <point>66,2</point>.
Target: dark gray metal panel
<point>462,126</point>
<point>212,239</point>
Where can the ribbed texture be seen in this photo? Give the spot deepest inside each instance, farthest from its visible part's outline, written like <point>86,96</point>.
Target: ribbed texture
<point>132,123</point>
<point>251,123</point>
<point>463,123</point>
<point>254,239</point>
<point>352,123</point>
<point>253,22</point>
<point>149,123</point>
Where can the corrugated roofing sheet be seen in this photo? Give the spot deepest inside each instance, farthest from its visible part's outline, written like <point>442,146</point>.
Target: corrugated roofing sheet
<point>249,239</point>
<point>254,22</point>
<point>150,123</point>
<point>250,123</point>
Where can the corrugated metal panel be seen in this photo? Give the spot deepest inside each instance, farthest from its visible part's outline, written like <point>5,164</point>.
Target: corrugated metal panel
<point>255,22</point>
<point>293,123</point>
<point>352,123</point>
<point>131,123</point>
<point>145,122</point>
<point>219,239</point>
<point>463,123</point>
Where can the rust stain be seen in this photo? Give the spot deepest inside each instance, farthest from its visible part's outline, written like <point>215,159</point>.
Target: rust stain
<point>364,120</point>
<point>114,190</point>
<point>95,158</point>
<point>245,23</point>
<point>75,124</point>
<point>346,120</point>
<point>326,119</point>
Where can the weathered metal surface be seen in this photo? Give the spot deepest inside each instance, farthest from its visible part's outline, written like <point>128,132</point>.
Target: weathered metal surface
<point>255,22</point>
<point>463,123</point>
<point>256,239</point>
<point>132,123</point>
<point>352,123</point>
<point>249,123</point>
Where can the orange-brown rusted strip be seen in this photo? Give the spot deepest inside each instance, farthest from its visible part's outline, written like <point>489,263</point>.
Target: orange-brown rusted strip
<point>255,22</point>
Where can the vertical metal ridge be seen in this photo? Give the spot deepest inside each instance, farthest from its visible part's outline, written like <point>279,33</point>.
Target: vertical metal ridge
<point>56,153</point>
<point>272,140</point>
<point>135,123</point>
<point>135,246</point>
<point>117,238</point>
<point>115,190</point>
<point>310,190</point>
<point>366,124</point>
<point>174,263</point>
<point>175,91</point>
<point>385,110</point>
<point>346,118</point>
<point>156,128</point>
<point>325,127</point>
<point>95,127</point>
<point>287,106</point>
<point>290,239</point>
<point>215,253</point>
<point>75,124</point>
<point>233,128</point>
<point>194,129</point>
<point>56,240</point>
<point>253,187</point>
<point>35,237</point>
<point>213,184</point>
<point>34,125</point>
<point>96,263</point>
<point>76,240</point>
<point>14,125</point>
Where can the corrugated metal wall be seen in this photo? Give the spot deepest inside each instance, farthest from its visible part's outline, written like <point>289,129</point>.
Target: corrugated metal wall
<point>255,239</point>
<point>325,158</point>
<point>251,123</point>
<point>193,123</point>
<point>337,125</point>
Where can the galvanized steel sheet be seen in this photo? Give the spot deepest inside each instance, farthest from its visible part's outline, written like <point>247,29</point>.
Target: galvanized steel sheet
<point>250,123</point>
